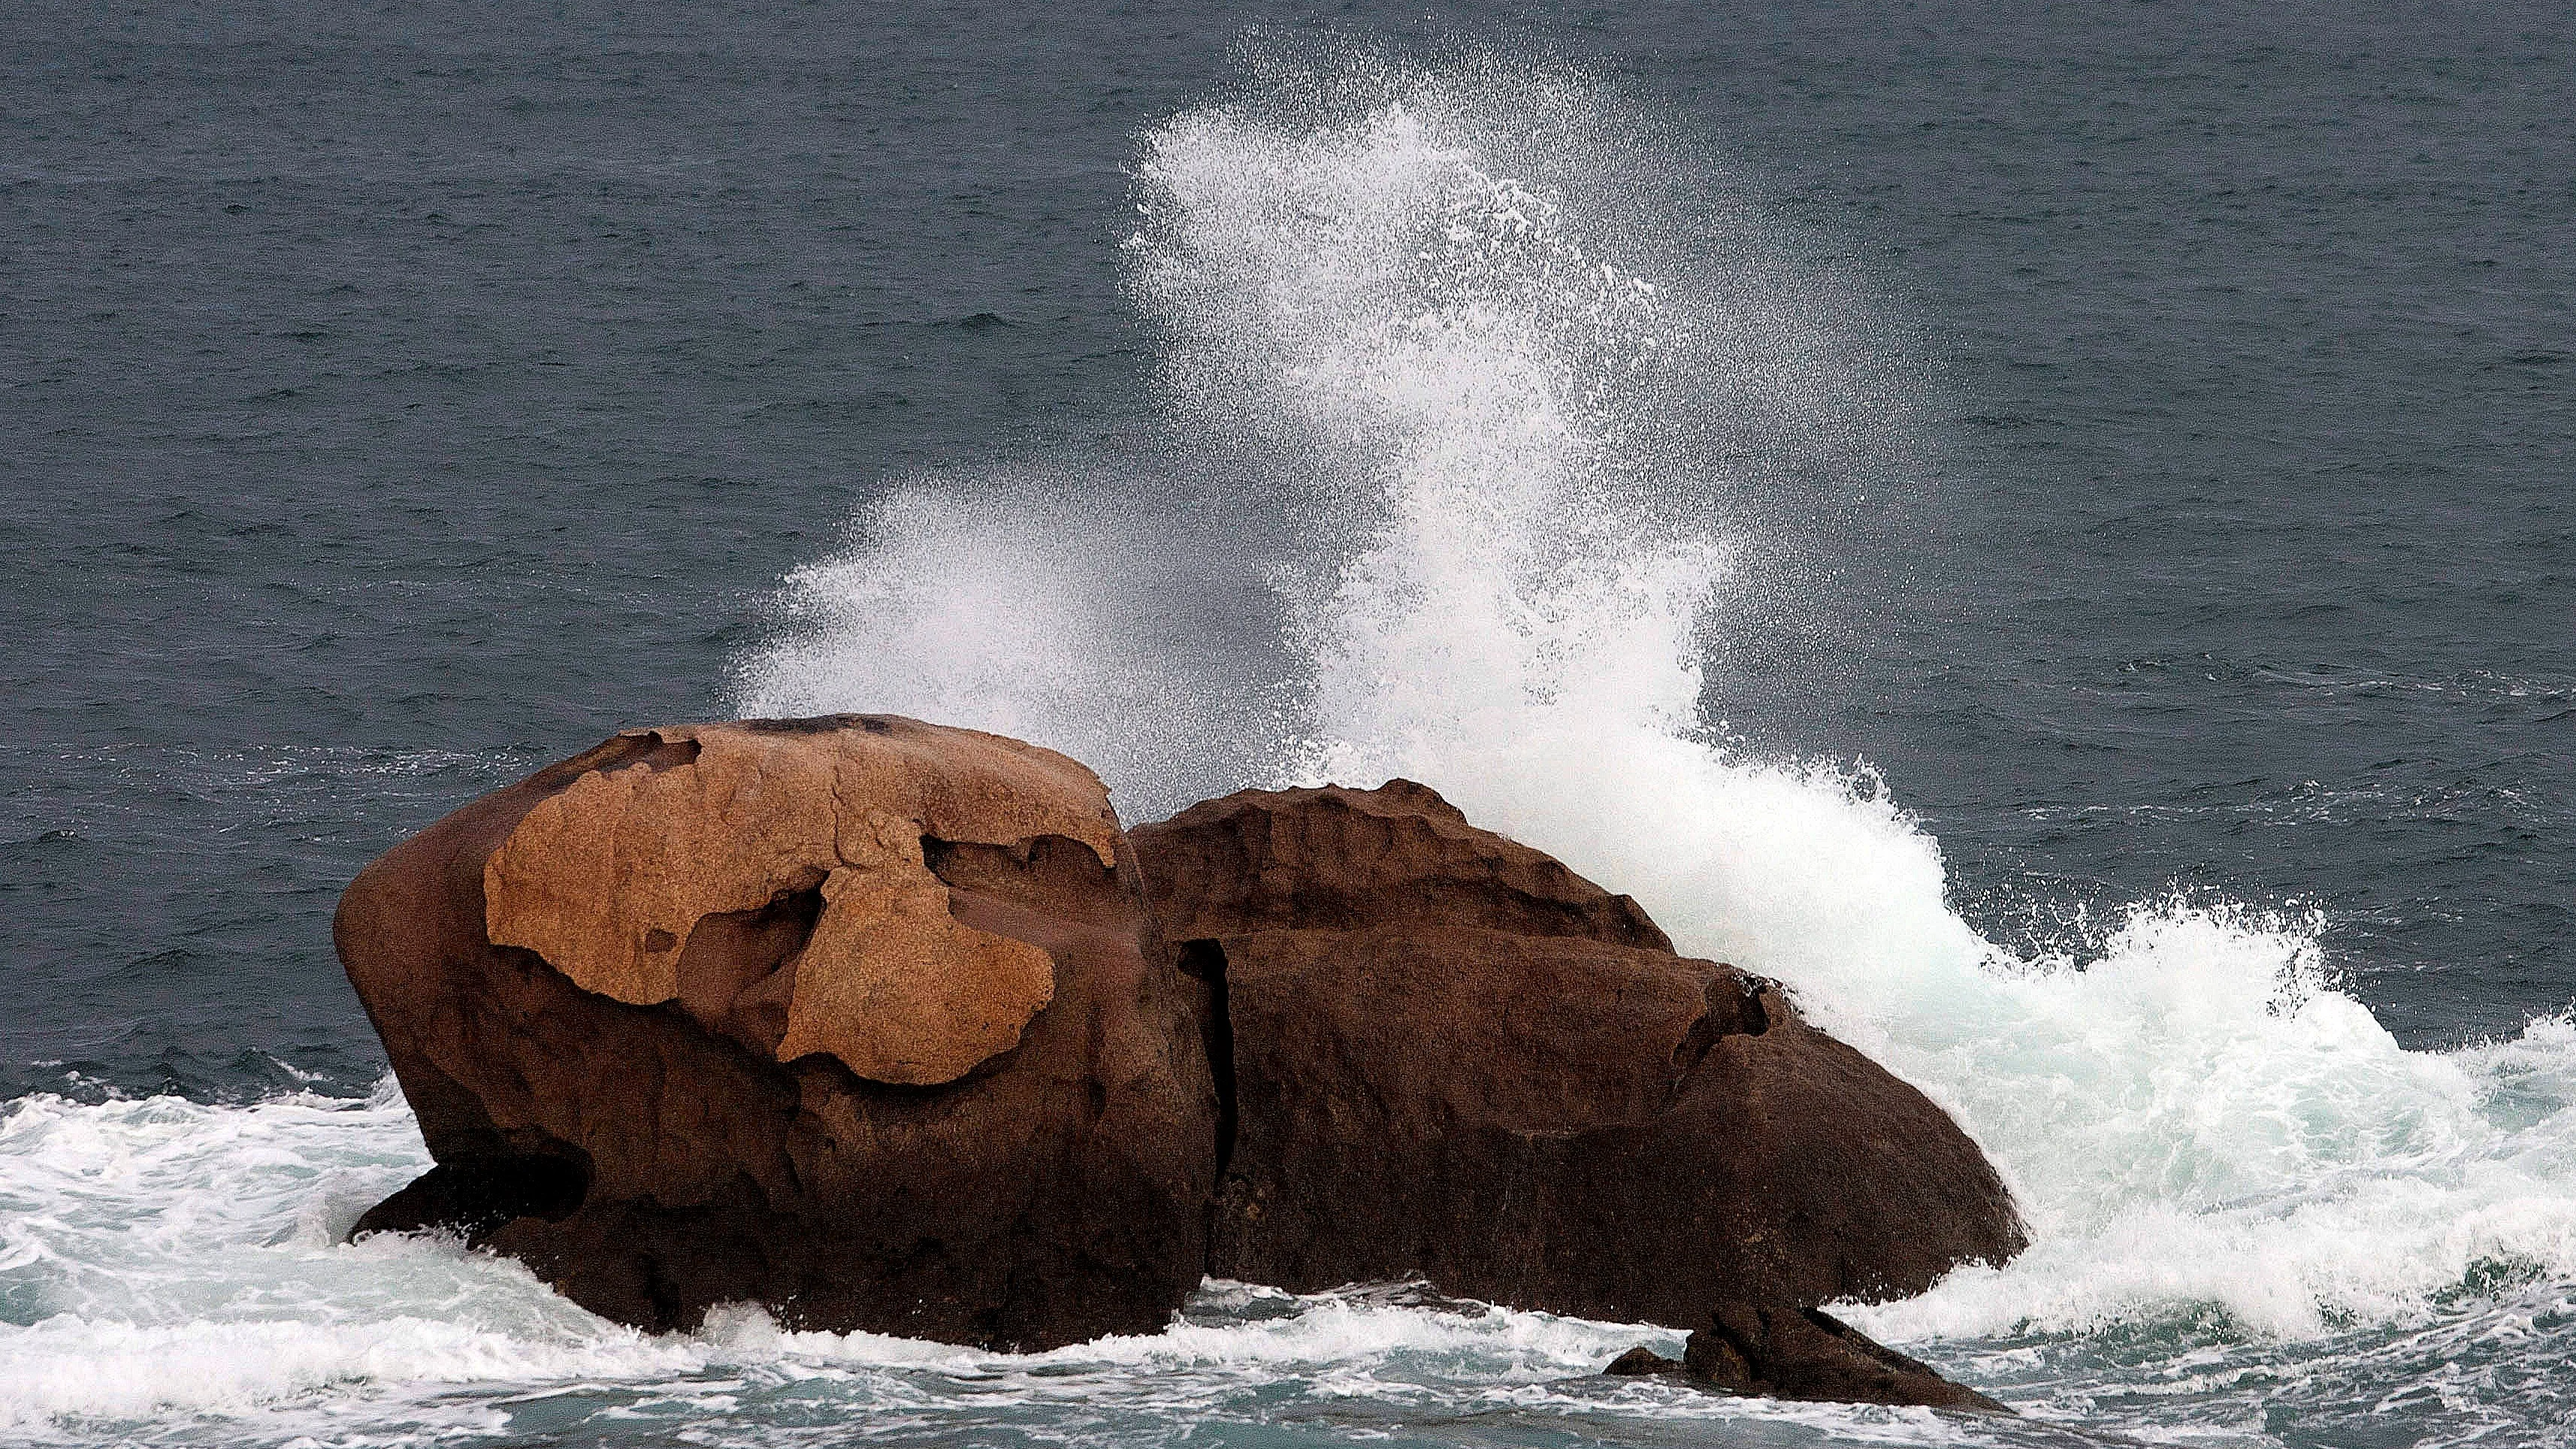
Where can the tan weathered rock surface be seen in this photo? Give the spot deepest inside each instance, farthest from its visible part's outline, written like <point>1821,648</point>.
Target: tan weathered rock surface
<point>610,879</point>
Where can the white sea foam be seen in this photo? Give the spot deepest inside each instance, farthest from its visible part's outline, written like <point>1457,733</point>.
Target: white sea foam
<point>1369,272</point>
<point>165,1256</point>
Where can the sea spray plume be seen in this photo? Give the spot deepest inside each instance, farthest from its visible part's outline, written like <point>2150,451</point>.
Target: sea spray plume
<point>1021,603</point>
<point>1344,191</point>
<point>1017,645</point>
<point>1348,269</point>
<point>1425,336</point>
<point>1509,294</point>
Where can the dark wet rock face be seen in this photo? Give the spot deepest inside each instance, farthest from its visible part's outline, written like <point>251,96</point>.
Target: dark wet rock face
<point>845,1017</point>
<point>1450,1056</point>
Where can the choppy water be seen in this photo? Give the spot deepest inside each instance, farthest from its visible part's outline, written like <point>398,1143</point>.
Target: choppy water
<point>2043,530</point>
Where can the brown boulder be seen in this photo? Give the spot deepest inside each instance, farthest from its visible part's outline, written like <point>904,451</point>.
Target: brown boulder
<point>843,1016</point>
<point>1442,1053</point>
<point>887,1026</point>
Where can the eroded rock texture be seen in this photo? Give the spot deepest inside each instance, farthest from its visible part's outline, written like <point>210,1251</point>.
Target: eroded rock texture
<point>612,880</point>
<point>845,1016</point>
<point>1447,1054</point>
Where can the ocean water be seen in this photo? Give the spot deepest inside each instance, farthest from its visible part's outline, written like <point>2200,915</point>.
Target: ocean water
<point>2043,528</point>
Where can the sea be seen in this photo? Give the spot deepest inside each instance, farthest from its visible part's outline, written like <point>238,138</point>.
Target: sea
<point>2043,526</point>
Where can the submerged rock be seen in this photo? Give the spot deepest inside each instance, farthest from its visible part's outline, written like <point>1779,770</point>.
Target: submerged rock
<point>1641,1362</point>
<point>1798,1353</point>
<point>842,1016</point>
<point>1446,1054</point>
<point>1804,1353</point>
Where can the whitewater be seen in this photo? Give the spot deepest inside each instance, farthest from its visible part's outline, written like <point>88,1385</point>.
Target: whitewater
<point>1477,415</point>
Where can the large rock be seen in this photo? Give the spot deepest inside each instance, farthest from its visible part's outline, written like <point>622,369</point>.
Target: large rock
<point>844,1016</point>
<point>1443,1053</point>
<point>888,1027</point>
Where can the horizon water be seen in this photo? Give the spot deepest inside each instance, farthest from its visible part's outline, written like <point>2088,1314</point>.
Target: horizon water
<point>1491,430</point>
